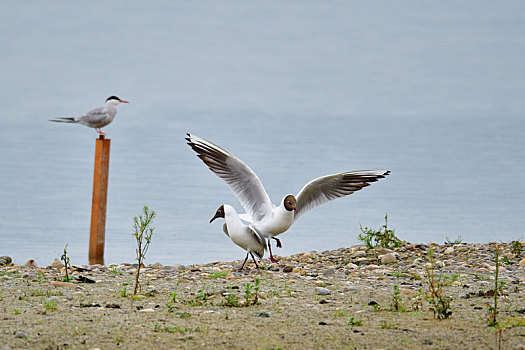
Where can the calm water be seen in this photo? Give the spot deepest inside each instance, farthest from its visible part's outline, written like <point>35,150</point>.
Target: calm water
<point>433,92</point>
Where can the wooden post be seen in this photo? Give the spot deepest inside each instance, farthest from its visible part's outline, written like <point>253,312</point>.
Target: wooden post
<point>100,195</point>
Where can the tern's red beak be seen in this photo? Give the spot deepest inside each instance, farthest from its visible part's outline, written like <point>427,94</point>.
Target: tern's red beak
<point>122,101</point>
<point>295,209</point>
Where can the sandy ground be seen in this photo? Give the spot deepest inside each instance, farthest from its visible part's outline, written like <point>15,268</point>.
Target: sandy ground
<point>209,306</point>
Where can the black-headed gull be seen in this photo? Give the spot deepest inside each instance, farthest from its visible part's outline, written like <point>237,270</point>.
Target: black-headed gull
<point>98,117</point>
<point>267,219</point>
<point>242,235</point>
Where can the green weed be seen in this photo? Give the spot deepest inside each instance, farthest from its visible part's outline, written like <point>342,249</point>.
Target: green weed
<point>143,231</point>
<point>384,237</point>
<point>354,322</point>
<point>440,304</point>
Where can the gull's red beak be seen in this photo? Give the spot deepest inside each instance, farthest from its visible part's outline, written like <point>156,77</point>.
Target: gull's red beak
<point>295,209</point>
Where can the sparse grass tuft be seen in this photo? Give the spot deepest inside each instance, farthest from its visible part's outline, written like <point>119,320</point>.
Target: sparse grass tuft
<point>353,322</point>
<point>458,240</point>
<point>498,286</point>
<point>440,304</point>
<point>219,274</point>
<point>396,305</point>
<point>51,304</point>
<point>516,248</point>
<point>65,259</point>
<point>388,325</point>
<point>143,231</point>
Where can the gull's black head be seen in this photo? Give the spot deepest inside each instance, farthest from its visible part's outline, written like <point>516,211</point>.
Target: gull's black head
<point>219,213</point>
<point>290,203</point>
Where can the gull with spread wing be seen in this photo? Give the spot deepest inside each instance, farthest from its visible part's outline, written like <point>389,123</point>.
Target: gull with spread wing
<point>98,117</point>
<point>264,217</point>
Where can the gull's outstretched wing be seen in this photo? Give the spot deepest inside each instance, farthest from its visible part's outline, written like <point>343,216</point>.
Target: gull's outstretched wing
<point>330,187</point>
<point>245,185</point>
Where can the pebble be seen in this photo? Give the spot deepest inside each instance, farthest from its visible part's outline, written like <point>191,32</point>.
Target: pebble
<point>522,262</point>
<point>63,284</point>
<point>30,276</point>
<point>147,310</point>
<point>388,259</point>
<point>360,254</point>
<point>22,335</point>
<point>323,291</point>
<point>449,250</point>
<point>329,272</point>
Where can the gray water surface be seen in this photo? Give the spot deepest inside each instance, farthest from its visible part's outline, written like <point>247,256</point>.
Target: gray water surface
<point>431,91</point>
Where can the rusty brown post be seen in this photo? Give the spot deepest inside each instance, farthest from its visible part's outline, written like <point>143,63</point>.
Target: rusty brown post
<point>98,207</point>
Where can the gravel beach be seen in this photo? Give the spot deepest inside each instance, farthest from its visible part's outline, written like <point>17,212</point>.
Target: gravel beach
<point>349,298</point>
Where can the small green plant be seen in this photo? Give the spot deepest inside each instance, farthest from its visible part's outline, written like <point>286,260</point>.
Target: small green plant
<point>51,304</point>
<point>16,311</point>
<point>458,240</point>
<point>516,248</point>
<point>219,274</point>
<point>65,259</point>
<point>340,313</point>
<point>173,297</point>
<point>123,292</point>
<point>505,260</point>
<point>384,237</point>
<point>114,271</point>
<point>512,322</point>
<point>38,292</point>
<point>231,300</point>
<point>354,322</point>
<point>143,231</point>
<point>388,325</point>
<point>202,295</point>
<point>170,305</point>
<point>183,314</point>
<point>440,304</point>
<point>417,301</point>
<point>249,297</point>
<point>395,305</point>
<point>177,329</point>
<point>493,309</point>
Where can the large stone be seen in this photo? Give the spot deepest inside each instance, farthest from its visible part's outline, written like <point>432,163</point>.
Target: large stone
<point>5,260</point>
<point>56,264</point>
<point>31,263</point>
<point>449,250</point>
<point>522,262</point>
<point>323,291</point>
<point>63,284</point>
<point>388,259</point>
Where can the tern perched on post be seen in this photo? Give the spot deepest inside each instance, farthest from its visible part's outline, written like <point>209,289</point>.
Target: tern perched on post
<point>98,117</point>
<point>265,218</point>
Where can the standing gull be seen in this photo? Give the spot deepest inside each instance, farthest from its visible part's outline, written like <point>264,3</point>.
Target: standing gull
<point>242,235</point>
<point>264,217</point>
<point>98,117</point>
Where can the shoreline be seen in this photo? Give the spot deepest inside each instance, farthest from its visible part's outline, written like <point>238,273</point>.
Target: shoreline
<point>345,298</point>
